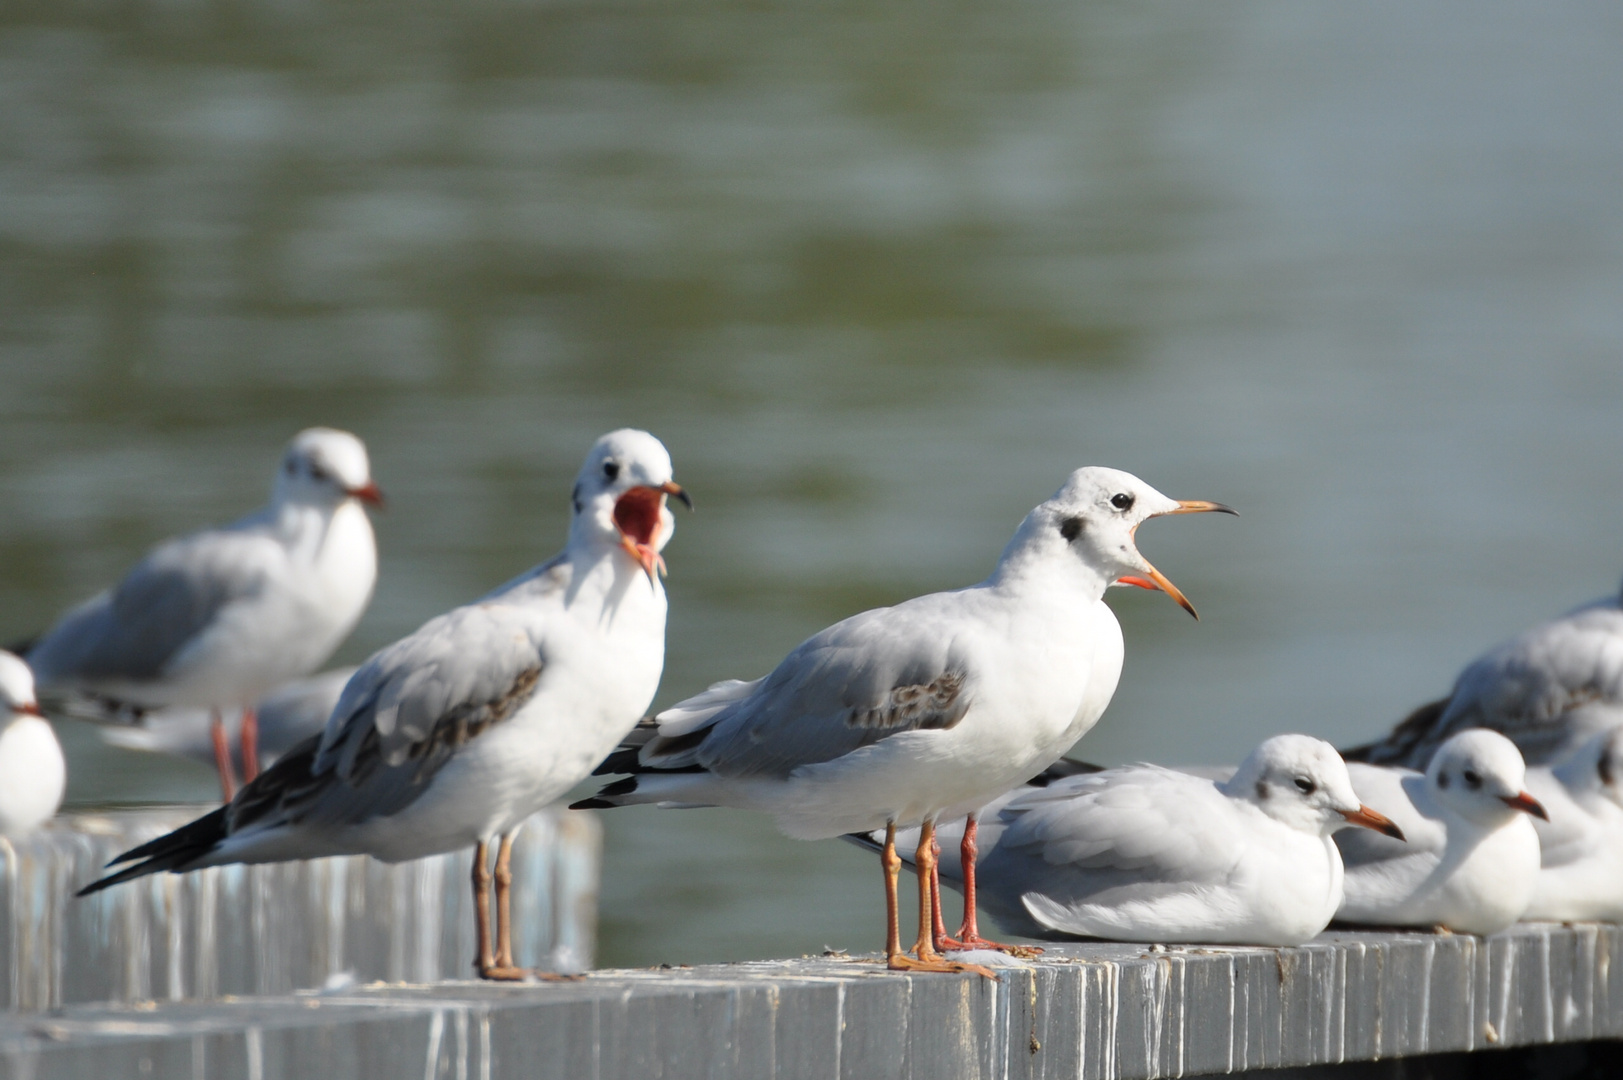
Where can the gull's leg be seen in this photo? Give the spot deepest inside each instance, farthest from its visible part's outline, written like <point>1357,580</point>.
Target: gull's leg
<point>481,910</point>
<point>969,935</point>
<point>250,745</point>
<point>928,958</point>
<point>496,964</point>
<point>938,926</point>
<point>891,863</point>
<point>222,755</point>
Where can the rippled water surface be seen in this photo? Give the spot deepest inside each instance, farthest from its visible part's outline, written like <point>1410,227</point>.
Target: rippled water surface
<point>880,275</point>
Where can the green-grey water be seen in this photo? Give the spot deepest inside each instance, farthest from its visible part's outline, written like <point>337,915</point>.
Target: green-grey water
<point>880,275</point>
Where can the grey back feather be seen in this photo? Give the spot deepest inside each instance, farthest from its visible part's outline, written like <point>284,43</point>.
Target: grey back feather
<point>854,684</point>
<point>135,630</point>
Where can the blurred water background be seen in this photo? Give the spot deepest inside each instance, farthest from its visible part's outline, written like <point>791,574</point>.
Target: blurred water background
<point>880,275</point>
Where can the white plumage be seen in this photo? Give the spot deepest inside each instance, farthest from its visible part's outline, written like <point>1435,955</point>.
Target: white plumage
<point>1471,856</point>
<point>1144,853</point>
<point>32,772</point>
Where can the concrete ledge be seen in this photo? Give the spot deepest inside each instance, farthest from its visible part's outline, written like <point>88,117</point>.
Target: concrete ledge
<point>1093,1011</point>
<point>269,929</point>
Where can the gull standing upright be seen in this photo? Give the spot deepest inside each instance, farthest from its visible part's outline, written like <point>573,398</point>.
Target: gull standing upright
<point>32,772</point>
<point>924,711</point>
<point>1472,855</point>
<point>219,618</point>
<point>1145,853</point>
<point>1547,689</point>
<point>1580,876</point>
<point>453,736</point>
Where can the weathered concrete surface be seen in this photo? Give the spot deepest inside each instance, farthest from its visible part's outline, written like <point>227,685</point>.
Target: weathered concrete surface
<point>1089,1011</point>
<point>270,929</point>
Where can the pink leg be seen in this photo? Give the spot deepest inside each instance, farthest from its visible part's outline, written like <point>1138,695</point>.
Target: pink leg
<point>969,935</point>
<point>250,745</point>
<point>222,755</point>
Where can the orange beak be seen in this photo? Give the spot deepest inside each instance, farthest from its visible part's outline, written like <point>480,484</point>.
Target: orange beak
<point>1370,819</point>
<point>1526,804</point>
<point>369,493</point>
<point>30,709</point>
<point>1185,506</point>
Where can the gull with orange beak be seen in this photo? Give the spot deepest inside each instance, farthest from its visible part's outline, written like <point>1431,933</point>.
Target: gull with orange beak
<point>456,734</point>
<point>922,712</point>
<point>1472,858</point>
<point>219,618</point>
<point>1145,853</point>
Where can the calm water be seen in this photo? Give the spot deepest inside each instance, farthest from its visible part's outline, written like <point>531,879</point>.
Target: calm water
<point>880,276</point>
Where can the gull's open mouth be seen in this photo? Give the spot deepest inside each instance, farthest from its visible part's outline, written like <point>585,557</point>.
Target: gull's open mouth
<point>637,516</point>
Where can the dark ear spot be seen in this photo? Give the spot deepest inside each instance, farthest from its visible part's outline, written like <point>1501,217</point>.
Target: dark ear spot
<point>1262,790</point>
<point>1604,767</point>
<point>1442,779</point>
<point>1070,528</point>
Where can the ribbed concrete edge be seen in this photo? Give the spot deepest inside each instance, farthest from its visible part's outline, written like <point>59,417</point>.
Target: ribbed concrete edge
<point>1090,1011</point>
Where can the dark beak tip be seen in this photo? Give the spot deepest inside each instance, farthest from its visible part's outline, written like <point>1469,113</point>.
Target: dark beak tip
<point>1394,832</point>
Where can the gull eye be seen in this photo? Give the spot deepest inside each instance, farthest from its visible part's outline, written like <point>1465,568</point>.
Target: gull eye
<point>1071,528</point>
<point>318,473</point>
<point>1306,786</point>
<point>611,470</point>
<point>1472,780</point>
<point>1121,501</point>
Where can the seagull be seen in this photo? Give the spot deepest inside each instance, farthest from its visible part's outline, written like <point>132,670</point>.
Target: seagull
<point>1580,876</point>
<point>219,618</point>
<point>1548,690</point>
<point>456,734</point>
<point>286,717</point>
<point>1145,853</point>
<point>924,711</point>
<point>32,772</point>
<point>1472,855</point>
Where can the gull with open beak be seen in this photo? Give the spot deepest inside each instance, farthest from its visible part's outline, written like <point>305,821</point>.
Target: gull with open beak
<point>219,618</point>
<point>925,711</point>
<point>455,735</point>
<point>1145,853</point>
<point>1472,857</point>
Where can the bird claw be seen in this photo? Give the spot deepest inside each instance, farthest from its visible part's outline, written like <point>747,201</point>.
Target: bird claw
<point>932,962</point>
<point>969,944</point>
<point>497,973</point>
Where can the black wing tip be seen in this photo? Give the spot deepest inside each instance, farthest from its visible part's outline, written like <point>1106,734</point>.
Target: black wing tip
<point>592,804</point>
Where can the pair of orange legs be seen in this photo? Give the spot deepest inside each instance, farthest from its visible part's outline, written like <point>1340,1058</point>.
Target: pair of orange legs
<point>497,963</point>
<point>933,940</point>
<point>222,751</point>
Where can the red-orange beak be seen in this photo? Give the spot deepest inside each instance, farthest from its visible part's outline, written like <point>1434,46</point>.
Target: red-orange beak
<point>1526,804</point>
<point>369,493</point>
<point>30,709</point>
<point>637,516</point>
<point>1370,819</point>
<point>1138,582</point>
<point>1185,506</point>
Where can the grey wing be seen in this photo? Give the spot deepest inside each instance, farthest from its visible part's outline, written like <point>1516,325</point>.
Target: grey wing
<point>1545,689</point>
<point>402,716</point>
<point>1401,795</point>
<point>860,681</point>
<point>1129,835</point>
<point>134,631</point>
